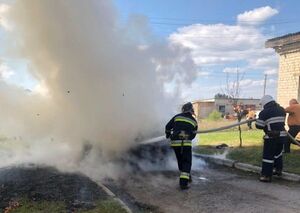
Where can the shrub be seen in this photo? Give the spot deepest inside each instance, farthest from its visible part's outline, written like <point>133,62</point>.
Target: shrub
<point>214,116</point>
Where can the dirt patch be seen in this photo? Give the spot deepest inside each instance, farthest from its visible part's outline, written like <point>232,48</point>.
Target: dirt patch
<point>48,184</point>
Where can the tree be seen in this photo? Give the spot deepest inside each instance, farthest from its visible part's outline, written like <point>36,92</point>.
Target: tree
<point>221,95</point>
<point>232,88</point>
<point>233,91</point>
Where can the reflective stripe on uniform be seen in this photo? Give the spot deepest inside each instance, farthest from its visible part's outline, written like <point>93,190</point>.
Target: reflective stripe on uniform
<point>277,156</point>
<point>184,144</point>
<point>179,143</point>
<point>260,123</point>
<point>278,119</point>
<point>185,175</point>
<point>185,119</point>
<point>268,161</point>
<point>282,134</point>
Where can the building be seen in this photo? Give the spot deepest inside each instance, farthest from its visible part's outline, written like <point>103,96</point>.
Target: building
<point>288,48</point>
<point>224,105</point>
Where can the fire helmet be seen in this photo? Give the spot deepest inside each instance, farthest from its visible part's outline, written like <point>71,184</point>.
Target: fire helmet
<point>266,99</point>
<point>188,107</point>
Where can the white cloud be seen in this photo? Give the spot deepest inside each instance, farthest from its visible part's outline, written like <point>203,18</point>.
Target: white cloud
<point>256,16</point>
<point>243,45</point>
<point>246,83</point>
<point>271,72</point>
<point>4,8</point>
<point>220,44</point>
<point>254,88</point>
<point>5,72</point>
<point>266,61</point>
<point>233,69</point>
<point>203,73</point>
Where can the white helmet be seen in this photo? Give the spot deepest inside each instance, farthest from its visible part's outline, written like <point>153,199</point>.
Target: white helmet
<point>266,99</point>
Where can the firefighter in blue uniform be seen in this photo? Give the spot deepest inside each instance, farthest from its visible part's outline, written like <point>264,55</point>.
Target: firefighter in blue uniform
<point>181,129</point>
<point>272,120</point>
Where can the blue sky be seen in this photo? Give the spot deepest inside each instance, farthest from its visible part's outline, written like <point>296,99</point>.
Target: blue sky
<point>223,38</point>
<point>166,18</point>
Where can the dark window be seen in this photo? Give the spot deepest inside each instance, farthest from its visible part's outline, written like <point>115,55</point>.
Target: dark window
<point>222,109</point>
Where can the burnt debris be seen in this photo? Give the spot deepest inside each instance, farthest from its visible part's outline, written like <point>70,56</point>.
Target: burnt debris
<point>48,184</point>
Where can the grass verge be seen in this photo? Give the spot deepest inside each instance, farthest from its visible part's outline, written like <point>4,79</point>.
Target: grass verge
<point>102,206</point>
<point>250,153</point>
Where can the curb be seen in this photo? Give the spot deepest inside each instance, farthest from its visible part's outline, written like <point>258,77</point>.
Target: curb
<point>113,196</point>
<point>244,166</point>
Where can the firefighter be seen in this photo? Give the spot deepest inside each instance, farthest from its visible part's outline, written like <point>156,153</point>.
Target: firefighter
<point>271,119</point>
<point>181,129</point>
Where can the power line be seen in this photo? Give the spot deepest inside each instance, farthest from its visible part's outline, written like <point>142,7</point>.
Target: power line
<point>221,22</point>
<point>277,21</point>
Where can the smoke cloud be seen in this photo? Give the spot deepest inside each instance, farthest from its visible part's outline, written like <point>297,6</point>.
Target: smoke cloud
<point>97,84</point>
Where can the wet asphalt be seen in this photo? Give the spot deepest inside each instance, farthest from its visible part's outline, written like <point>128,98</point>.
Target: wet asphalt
<point>214,189</point>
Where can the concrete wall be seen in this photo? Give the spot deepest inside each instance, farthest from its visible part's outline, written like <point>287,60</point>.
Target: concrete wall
<point>288,48</point>
<point>288,77</point>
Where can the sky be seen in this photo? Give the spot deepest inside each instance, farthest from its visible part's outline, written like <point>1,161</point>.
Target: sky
<point>225,40</point>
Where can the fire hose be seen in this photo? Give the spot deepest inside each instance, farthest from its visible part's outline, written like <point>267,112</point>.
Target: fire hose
<point>160,138</point>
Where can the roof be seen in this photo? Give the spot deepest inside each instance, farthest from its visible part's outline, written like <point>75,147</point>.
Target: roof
<point>285,40</point>
<point>204,100</point>
<point>213,99</point>
<point>284,36</point>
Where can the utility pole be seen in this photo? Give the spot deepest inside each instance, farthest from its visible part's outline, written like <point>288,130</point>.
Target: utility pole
<point>265,84</point>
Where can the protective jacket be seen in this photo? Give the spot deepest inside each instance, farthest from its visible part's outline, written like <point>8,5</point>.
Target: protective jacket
<point>272,120</point>
<point>181,128</point>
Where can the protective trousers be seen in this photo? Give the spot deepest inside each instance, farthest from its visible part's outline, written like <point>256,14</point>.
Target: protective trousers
<point>272,156</point>
<point>184,160</point>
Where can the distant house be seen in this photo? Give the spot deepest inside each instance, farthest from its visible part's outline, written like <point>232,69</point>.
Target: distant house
<point>288,48</point>
<point>224,105</point>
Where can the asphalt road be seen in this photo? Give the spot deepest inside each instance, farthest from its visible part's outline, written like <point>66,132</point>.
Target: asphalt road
<point>214,189</point>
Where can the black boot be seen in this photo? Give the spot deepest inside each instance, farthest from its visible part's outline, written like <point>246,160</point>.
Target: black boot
<point>278,173</point>
<point>190,180</point>
<point>184,187</point>
<point>265,179</point>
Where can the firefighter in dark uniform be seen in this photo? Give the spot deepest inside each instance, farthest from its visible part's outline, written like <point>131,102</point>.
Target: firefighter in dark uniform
<point>181,129</point>
<point>272,120</point>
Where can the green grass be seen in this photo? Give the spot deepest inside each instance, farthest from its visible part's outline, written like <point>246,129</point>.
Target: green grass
<point>39,207</point>
<point>251,155</point>
<point>251,151</point>
<point>231,138</point>
<point>102,206</point>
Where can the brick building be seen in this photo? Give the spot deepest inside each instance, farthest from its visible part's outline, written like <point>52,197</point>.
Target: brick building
<point>288,48</point>
<point>223,105</point>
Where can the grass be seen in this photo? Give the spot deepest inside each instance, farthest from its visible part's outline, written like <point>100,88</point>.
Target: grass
<point>106,206</point>
<point>39,207</point>
<point>102,206</point>
<point>251,151</point>
<point>231,138</point>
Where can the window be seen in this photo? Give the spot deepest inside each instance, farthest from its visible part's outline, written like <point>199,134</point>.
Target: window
<point>222,109</point>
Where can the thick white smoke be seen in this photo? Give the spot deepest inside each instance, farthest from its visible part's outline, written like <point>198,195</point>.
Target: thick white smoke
<point>100,85</point>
